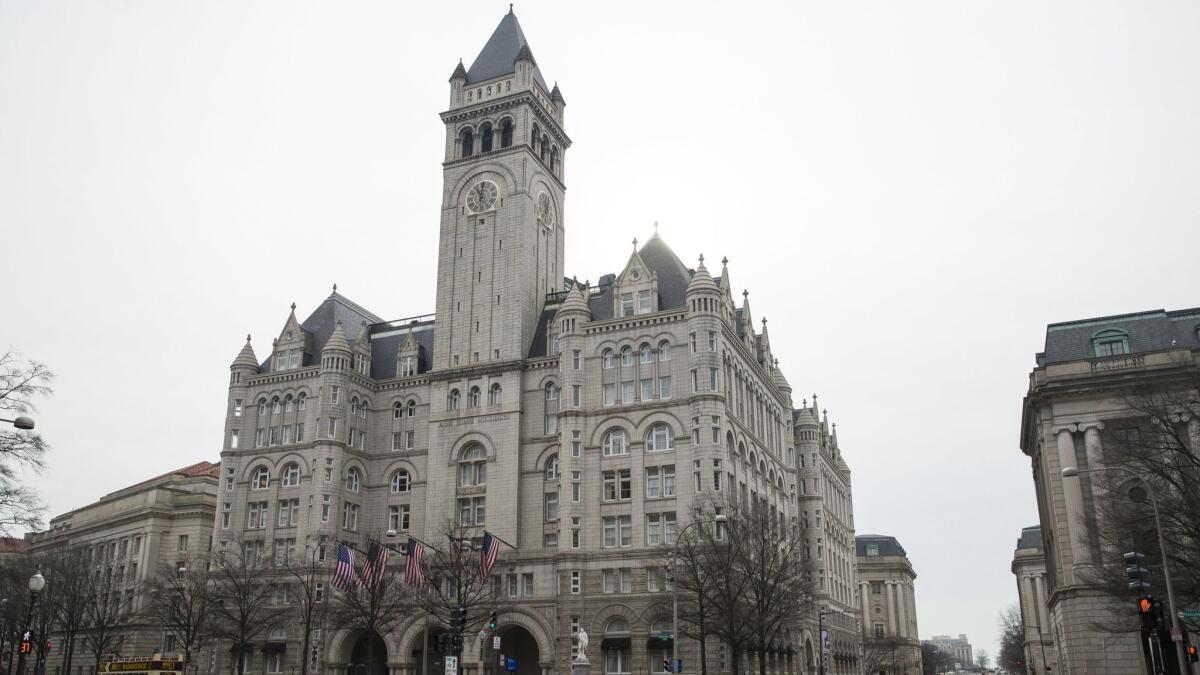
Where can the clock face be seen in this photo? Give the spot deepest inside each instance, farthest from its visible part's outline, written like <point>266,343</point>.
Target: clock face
<point>545,213</point>
<point>482,196</point>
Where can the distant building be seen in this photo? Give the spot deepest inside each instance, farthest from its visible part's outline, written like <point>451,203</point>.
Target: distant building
<point>13,548</point>
<point>888,605</point>
<point>1029,567</point>
<point>131,533</point>
<point>958,648</point>
<point>1076,407</point>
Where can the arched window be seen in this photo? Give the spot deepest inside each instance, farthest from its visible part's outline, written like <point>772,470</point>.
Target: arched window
<point>275,407</point>
<point>626,357</point>
<point>664,351</point>
<point>485,137</point>
<point>353,479</point>
<point>1111,342</point>
<point>606,359</point>
<point>291,475</point>
<point>468,143</point>
<point>362,408</point>
<point>472,466</point>
<point>554,159</point>
<point>401,481</point>
<point>506,129</point>
<point>300,401</point>
<point>452,400</point>
<point>397,410</point>
<point>412,408</point>
<point>544,148</point>
<point>260,479</point>
<point>551,392</point>
<point>660,438</point>
<point>354,407</point>
<point>552,467</point>
<point>616,626</point>
<point>646,355</point>
<point>287,404</point>
<point>262,407</point>
<point>494,394</point>
<point>617,659</point>
<point>473,398</point>
<point>533,140</point>
<point>615,442</point>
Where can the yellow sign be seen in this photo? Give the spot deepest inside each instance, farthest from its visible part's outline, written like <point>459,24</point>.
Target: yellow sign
<point>140,666</point>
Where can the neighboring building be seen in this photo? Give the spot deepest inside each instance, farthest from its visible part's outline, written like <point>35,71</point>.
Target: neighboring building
<point>13,549</point>
<point>1029,567</point>
<point>133,533</point>
<point>1076,405</point>
<point>579,422</point>
<point>827,524</point>
<point>958,648</point>
<point>889,606</point>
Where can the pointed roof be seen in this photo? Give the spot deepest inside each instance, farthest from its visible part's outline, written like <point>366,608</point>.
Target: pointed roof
<point>337,341</point>
<point>500,53</point>
<point>459,71</point>
<point>246,356</point>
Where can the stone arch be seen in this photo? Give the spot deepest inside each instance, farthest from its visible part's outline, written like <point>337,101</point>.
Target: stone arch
<point>610,422</point>
<point>541,632</point>
<point>395,465</point>
<point>647,422</point>
<point>456,448</point>
<point>544,455</point>
<point>342,645</point>
<point>609,612</point>
<point>257,461</point>
<point>505,181</point>
<point>291,457</point>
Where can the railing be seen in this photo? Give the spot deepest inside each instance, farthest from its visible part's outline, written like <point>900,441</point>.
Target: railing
<point>1120,362</point>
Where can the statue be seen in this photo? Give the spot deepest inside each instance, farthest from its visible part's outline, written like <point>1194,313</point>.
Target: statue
<point>581,653</point>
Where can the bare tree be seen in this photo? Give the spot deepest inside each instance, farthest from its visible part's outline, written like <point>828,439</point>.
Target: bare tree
<point>1012,641</point>
<point>934,660</point>
<point>983,659</point>
<point>242,586</point>
<point>70,572</point>
<point>181,602</point>
<point>452,579</point>
<point>106,612</point>
<point>307,573</point>
<point>890,654</point>
<point>21,382</point>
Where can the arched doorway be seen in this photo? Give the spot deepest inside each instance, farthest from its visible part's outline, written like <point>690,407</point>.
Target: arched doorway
<point>810,657</point>
<point>427,641</point>
<point>369,656</point>
<point>517,643</point>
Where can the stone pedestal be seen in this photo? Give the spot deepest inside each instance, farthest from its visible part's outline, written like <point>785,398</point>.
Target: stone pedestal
<point>581,668</point>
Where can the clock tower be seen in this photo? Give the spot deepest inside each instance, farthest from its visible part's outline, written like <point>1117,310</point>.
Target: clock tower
<point>501,239</point>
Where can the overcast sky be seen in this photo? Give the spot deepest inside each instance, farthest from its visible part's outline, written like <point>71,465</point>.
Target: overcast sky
<point>910,191</point>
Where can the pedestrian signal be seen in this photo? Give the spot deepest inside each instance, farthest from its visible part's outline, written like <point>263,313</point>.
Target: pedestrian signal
<point>1193,656</point>
<point>26,647</point>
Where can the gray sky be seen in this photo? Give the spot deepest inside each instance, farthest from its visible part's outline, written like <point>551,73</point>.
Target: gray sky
<point>910,191</point>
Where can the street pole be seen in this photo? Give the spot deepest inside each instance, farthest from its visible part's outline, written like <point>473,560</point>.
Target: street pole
<point>1184,665</point>
<point>36,583</point>
<point>821,639</point>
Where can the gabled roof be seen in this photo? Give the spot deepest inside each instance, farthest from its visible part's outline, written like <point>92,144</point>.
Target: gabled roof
<point>497,57</point>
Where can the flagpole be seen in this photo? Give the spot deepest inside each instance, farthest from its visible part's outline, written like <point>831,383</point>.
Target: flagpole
<point>501,540</point>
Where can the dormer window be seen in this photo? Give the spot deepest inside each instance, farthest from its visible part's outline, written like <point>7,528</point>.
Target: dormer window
<point>627,304</point>
<point>407,366</point>
<point>1111,342</point>
<point>643,302</point>
<point>287,359</point>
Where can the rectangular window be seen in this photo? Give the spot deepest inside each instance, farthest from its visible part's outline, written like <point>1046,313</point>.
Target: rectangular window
<point>574,538</point>
<point>333,422</point>
<point>551,424</point>
<point>643,302</point>
<point>647,390</point>
<point>527,583</point>
<point>396,440</point>
<point>664,386</point>
<point>576,582</point>
<point>692,342</point>
<point>625,579</point>
<point>182,546</point>
<point>551,506</point>
<point>610,531</point>
<point>607,390</point>
<point>258,438</point>
<point>653,529</point>
<point>226,515</point>
<point>350,516</point>
<point>695,384</point>
<point>712,379</point>
<point>626,525</point>
<point>626,392</point>
<point>319,591</point>
<point>576,487</point>
<point>328,475</point>
<point>625,484</point>
<point>576,395</point>
<point>627,304</point>
<point>576,443</point>
<point>511,580</point>
<point>668,481</point>
<point>550,540</point>
<point>669,528</point>
<point>716,430</point>
<point>237,407</point>
<point>653,487</point>
<point>712,341</point>
<point>334,392</point>
<point>408,440</point>
<point>233,439</point>
<point>300,431</point>
<point>608,580</point>
<point>575,359</point>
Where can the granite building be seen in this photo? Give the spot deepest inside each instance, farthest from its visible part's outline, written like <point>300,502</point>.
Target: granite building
<point>578,421</point>
<point>1076,411</point>
<point>1029,567</point>
<point>957,648</point>
<point>889,607</point>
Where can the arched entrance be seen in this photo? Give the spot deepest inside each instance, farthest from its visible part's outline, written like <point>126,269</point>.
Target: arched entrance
<point>517,643</point>
<point>369,656</point>
<point>426,641</point>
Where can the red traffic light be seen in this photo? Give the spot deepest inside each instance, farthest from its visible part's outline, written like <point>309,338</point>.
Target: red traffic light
<point>1145,605</point>
<point>1193,656</point>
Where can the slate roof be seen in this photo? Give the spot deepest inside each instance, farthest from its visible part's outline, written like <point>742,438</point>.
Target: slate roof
<point>1147,331</point>
<point>385,348</point>
<point>497,57</point>
<point>1031,537</point>
<point>887,545</point>
<point>320,325</point>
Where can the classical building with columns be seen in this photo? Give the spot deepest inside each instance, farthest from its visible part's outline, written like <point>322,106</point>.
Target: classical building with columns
<point>958,648</point>
<point>579,421</point>
<point>891,644</point>
<point>1029,567</point>
<point>1078,403</point>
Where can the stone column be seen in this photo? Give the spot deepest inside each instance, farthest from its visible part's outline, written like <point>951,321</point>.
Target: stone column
<point>864,592</point>
<point>1072,497</point>
<point>901,610</point>
<point>888,593</point>
<point>1043,600</point>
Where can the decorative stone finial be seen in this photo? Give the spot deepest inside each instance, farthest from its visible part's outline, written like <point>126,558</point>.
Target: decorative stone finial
<point>635,243</point>
<point>745,293</point>
<point>656,227</point>
<point>776,363</point>
<point>764,321</point>
<point>701,258</point>
<point>247,337</point>
<point>724,261</point>
<point>335,288</point>
<point>293,306</point>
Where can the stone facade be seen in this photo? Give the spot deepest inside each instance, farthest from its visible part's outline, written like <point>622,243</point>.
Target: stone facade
<point>1077,400</point>
<point>1029,567</point>
<point>134,533</point>
<point>959,648</point>
<point>580,422</point>
<point>889,606</point>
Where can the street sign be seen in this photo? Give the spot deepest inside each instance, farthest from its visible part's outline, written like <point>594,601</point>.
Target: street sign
<point>451,665</point>
<point>510,664</point>
<point>1190,613</point>
<point>496,642</point>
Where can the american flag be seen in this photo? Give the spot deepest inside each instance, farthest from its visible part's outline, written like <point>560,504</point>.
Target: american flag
<point>375,565</point>
<point>487,554</point>
<point>343,574</point>
<point>412,564</point>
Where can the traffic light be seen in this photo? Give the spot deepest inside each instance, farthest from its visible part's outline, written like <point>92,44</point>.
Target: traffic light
<point>492,620</point>
<point>458,618</point>
<point>1145,607</point>
<point>26,647</point>
<point>1193,655</point>
<point>1136,572</point>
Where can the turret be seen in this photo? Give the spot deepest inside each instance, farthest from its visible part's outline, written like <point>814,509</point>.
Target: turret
<point>523,66</point>
<point>335,355</point>
<point>458,80</point>
<point>244,366</point>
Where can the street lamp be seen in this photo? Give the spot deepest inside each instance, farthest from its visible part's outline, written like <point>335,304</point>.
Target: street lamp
<point>36,583</point>
<point>1073,472</point>
<point>22,423</point>
<point>718,518</point>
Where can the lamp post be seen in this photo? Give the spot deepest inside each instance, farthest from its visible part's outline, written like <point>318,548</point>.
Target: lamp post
<point>718,518</point>
<point>22,423</point>
<point>36,583</point>
<point>1073,472</point>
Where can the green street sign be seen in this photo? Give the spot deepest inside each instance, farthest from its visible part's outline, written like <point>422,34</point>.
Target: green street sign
<point>1191,613</point>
